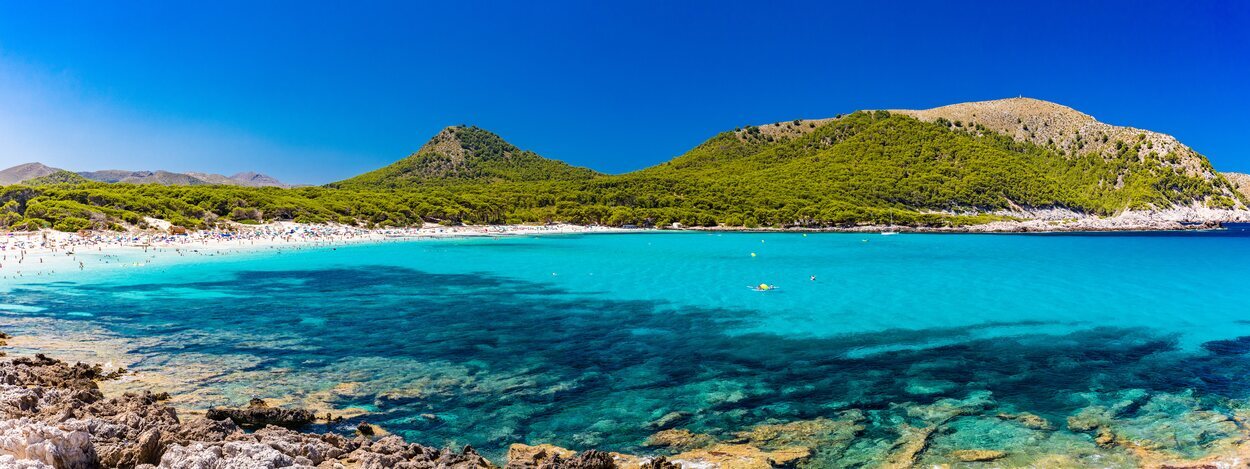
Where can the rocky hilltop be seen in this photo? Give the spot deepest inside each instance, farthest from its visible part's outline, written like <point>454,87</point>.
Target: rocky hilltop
<point>463,153</point>
<point>1054,125</point>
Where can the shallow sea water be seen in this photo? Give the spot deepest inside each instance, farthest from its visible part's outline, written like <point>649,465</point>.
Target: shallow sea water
<point>584,341</point>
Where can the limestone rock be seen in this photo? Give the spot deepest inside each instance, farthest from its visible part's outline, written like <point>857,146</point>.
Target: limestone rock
<point>24,439</point>
<point>228,455</point>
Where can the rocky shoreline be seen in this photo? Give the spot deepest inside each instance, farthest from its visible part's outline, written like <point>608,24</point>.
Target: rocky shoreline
<point>53,414</point>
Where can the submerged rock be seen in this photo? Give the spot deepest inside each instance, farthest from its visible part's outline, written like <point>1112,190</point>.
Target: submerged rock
<point>1028,420</point>
<point>669,420</point>
<point>258,414</point>
<point>820,432</point>
<point>912,441</point>
<point>977,455</point>
<point>1237,346</point>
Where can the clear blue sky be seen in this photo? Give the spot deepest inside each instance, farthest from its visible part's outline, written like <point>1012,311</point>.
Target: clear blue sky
<point>314,92</point>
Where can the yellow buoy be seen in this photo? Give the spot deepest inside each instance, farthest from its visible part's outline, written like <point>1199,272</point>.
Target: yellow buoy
<point>763,286</point>
<point>752,254</point>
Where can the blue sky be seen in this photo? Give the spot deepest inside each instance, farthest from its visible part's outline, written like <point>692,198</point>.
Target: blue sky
<point>315,92</point>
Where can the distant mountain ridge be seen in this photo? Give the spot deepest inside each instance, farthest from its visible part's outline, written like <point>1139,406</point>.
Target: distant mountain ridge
<point>29,171</point>
<point>462,153</point>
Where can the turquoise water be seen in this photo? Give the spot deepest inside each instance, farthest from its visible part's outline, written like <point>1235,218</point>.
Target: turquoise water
<point>581,341</point>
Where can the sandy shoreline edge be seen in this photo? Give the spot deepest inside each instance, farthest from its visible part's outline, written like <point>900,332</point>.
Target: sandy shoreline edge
<point>15,247</point>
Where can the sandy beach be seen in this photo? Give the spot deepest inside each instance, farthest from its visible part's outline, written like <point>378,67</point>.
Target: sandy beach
<point>26,254</point>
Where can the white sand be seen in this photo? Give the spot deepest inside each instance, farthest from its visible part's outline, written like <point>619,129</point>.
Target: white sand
<point>34,254</point>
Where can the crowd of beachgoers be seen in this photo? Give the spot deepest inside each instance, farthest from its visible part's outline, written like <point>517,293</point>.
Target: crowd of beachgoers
<point>45,252</point>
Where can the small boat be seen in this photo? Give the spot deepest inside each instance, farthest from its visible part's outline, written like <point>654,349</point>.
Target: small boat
<point>890,232</point>
<point>762,287</point>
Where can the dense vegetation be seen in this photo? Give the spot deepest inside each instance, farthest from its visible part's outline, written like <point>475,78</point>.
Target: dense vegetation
<point>861,168</point>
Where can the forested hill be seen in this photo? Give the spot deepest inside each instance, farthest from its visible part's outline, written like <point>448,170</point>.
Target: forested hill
<point>880,159</point>
<point>955,165</point>
<point>461,153</point>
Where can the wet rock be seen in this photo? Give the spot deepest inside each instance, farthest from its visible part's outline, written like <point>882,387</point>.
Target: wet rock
<point>679,439</point>
<point>524,456</point>
<point>585,460</point>
<point>658,463</point>
<point>521,456</point>
<point>365,429</point>
<point>729,456</point>
<point>977,455</point>
<point>820,432</point>
<point>259,414</point>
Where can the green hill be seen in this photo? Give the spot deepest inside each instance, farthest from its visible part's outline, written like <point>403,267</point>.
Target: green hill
<point>838,170</point>
<point>461,153</point>
<point>58,177</point>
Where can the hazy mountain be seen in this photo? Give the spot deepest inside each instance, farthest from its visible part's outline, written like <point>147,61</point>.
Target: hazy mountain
<point>24,172</point>
<point>142,177</point>
<point>28,171</point>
